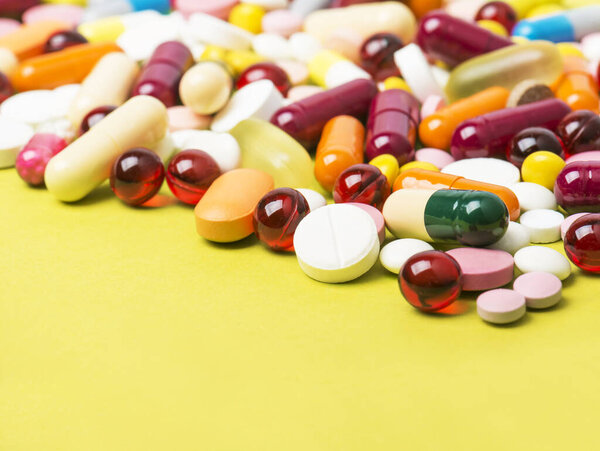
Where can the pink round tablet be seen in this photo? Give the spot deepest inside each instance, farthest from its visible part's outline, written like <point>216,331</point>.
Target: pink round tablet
<point>501,306</point>
<point>8,25</point>
<point>541,289</point>
<point>70,14</point>
<point>567,223</point>
<point>302,92</point>
<point>592,155</point>
<point>431,104</point>
<point>282,22</point>
<point>377,218</point>
<point>296,71</point>
<point>439,158</point>
<point>483,269</point>
<point>183,118</point>
<point>220,9</point>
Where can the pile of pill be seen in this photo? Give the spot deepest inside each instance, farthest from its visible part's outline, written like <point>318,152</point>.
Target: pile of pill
<point>320,126</point>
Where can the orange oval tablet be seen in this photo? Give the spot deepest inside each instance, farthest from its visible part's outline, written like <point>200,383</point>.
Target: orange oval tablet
<point>29,40</point>
<point>224,214</point>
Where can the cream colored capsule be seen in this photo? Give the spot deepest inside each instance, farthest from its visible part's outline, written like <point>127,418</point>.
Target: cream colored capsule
<point>108,83</point>
<point>72,174</point>
<point>8,61</point>
<point>206,87</point>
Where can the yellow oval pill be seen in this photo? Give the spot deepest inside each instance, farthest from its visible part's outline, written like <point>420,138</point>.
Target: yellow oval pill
<point>247,16</point>
<point>542,167</point>
<point>388,165</point>
<point>419,165</point>
<point>395,83</point>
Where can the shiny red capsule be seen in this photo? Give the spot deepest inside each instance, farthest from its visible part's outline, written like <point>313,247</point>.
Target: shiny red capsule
<point>265,71</point>
<point>582,242</point>
<point>190,174</point>
<point>362,183</point>
<point>137,175</point>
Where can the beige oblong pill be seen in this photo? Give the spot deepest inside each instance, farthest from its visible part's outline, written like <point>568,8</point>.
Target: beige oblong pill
<point>73,173</point>
<point>8,61</point>
<point>109,83</point>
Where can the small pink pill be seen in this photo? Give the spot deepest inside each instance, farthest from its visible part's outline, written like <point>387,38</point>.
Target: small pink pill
<point>567,223</point>
<point>220,9</point>
<point>483,269</point>
<point>501,306</point>
<point>8,26</point>
<point>301,92</point>
<point>592,155</point>
<point>541,289</point>
<point>376,216</point>
<point>431,104</point>
<point>70,14</point>
<point>183,118</point>
<point>439,158</point>
<point>282,22</point>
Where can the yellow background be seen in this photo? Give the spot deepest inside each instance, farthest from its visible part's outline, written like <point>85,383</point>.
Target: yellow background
<point>121,329</point>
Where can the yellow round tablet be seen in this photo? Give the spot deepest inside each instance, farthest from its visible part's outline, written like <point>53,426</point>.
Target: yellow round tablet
<point>395,83</point>
<point>542,167</point>
<point>419,165</point>
<point>247,16</point>
<point>239,60</point>
<point>388,165</point>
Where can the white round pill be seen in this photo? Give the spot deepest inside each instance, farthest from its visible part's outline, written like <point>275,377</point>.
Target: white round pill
<point>336,243</point>
<point>515,238</point>
<point>221,146</point>
<point>304,46</point>
<point>315,200</point>
<point>501,306</point>
<point>543,225</point>
<point>540,258</point>
<point>394,254</point>
<point>533,196</point>
<point>13,136</point>
<point>488,170</point>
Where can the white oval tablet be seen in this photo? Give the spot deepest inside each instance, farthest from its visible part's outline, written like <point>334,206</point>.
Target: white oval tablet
<point>501,306</point>
<point>394,254</point>
<point>31,107</point>
<point>416,72</point>
<point>61,127</point>
<point>543,225</point>
<point>533,196</point>
<point>315,200</point>
<point>258,100</point>
<point>272,46</point>
<point>489,170</point>
<point>336,243</point>
<point>140,41</point>
<point>540,258</point>
<point>13,136</point>
<point>221,146</point>
<point>515,238</point>
<point>210,30</point>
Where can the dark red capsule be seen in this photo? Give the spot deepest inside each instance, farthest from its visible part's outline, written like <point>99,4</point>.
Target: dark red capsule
<point>63,39</point>
<point>580,131</point>
<point>190,173</point>
<point>582,242</point>
<point>500,12</point>
<point>377,55</point>
<point>265,71</point>
<point>531,140</point>
<point>137,175</point>
<point>362,183</point>
<point>95,116</point>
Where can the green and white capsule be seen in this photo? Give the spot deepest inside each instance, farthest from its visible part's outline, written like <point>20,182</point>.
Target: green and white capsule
<point>472,218</point>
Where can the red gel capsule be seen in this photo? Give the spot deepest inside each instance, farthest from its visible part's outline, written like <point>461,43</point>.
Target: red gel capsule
<point>362,183</point>
<point>577,187</point>
<point>582,242</point>
<point>276,217</point>
<point>531,140</point>
<point>190,174</point>
<point>392,125</point>
<point>500,12</point>
<point>161,76</point>
<point>137,175</point>
<point>95,116</point>
<point>453,40</point>
<point>377,55</point>
<point>33,158</point>
<point>489,134</point>
<point>265,71</point>
<point>580,131</point>
<point>304,120</point>
<point>63,39</point>
<point>430,280</point>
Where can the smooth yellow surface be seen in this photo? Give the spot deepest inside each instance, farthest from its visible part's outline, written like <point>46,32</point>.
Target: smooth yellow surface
<point>542,167</point>
<point>122,330</point>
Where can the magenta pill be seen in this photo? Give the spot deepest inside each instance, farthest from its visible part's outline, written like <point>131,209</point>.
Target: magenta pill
<point>33,158</point>
<point>577,187</point>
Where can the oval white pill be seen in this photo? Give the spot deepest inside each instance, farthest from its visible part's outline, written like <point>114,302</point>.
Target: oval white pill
<point>540,258</point>
<point>13,136</point>
<point>533,196</point>
<point>416,72</point>
<point>272,46</point>
<point>489,170</point>
<point>336,243</point>
<point>541,289</point>
<point>31,107</point>
<point>221,146</point>
<point>315,200</point>
<point>501,306</point>
<point>515,238</point>
<point>394,254</point>
<point>543,225</point>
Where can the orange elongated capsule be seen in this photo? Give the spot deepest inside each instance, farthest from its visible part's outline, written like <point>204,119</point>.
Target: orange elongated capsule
<point>436,130</point>
<point>340,147</point>
<point>424,179</point>
<point>577,87</point>
<point>52,70</point>
<point>28,41</point>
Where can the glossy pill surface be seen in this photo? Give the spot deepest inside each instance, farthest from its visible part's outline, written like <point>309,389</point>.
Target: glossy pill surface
<point>362,183</point>
<point>377,55</point>
<point>137,175</point>
<point>582,242</point>
<point>190,174</point>
<point>530,140</point>
<point>63,39</point>
<point>500,12</point>
<point>542,167</point>
<point>577,187</point>
<point>580,131</point>
<point>95,116</point>
<point>265,71</point>
<point>32,159</point>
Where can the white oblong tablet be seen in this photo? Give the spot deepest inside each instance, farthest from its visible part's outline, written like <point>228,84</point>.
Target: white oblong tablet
<point>489,170</point>
<point>304,46</point>
<point>31,107</point>
<point>140,41</point>
<point>543,225</point>
<point>533,196</point>
<point>221,146</point>
<point>272,46</point>
<point>501,306</point>
<point>540,258</point>
<point>210,30</point>
<point>395,253</point>
<point>315,200</point>
<point>541,289</point>
<point>13,136</point>
<point>516,237</point>
<point>416,72</point>
<point>336,243</point>
<point>258,100</point>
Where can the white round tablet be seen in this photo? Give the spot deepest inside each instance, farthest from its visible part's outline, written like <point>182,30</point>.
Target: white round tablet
<point>13,136</point>
<point>336,243</point>
<point>541,289</point>
<point>221,146</point>
<point>61,127</point>
<point>258,100</point>
<point>501,306</point>
<point>489,170</point>
<point>272,46</point>
<point>540,258</point>
<point>515,238</point>
<point>31,107</point>
<point>533,196</point>
<point>543,225</point>
<point>315,200</point>
<point>395,253</point>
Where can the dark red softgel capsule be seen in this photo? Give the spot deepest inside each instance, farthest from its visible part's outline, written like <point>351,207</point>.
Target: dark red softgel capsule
<point>137,175</point>
<point>499,12</point>
<point>63,39</point>
<point>377,55</point>
<point>362,183</point>
<point>95,116</point>
<point>580,131</point>
<point>265,71</point>
<point>276,217</point>
<point>531,140</point>
<point>190,174</point>
<point>582,242</point>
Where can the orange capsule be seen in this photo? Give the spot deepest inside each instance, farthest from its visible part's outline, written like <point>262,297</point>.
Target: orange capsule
<point>436,130</point>
<point>52,70</point>
<point>29,40</point>
<point>424,179</point>
<point>577,87</point>
<point>422,7</point>
<point>340,147</point>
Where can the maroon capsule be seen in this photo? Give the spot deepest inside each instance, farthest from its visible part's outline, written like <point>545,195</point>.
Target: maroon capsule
<point>95,116</point>
<point>531,140</point>
<point>304,120</point>
<point>500,12</point>
<point>577,187</point>
<point>580,131</point>
<point>190,173</point>
<point>137,175</point>
<point>377,55</point>
<point>160,77</point>
<point>63,39</point>
<point>582,242</point>
<point>489,134</point>
<point>453,40</point>
<point>392,125</point>
<point>265,71</point>
<point>362,183</point>
<point>16,7</point>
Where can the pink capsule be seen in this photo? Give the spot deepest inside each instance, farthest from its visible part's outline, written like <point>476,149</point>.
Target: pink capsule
<point>33,158</point>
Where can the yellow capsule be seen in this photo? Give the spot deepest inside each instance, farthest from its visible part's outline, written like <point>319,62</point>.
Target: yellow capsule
<point>544,10</point>
<point>388,165</point>
<point>107,29</point>
<point>395,83</point>
<point>239,60</point>
<point>569,49</point>
<point>542,167</point>
<point>214,53</point>
<point>419,165</point>
<point>247,16</point>
<point>493,26</point>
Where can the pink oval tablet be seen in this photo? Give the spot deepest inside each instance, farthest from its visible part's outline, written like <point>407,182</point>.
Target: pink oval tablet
<point>303,91</point>
<point>70,14</point>
<point>541,289</point>
<point>282,22</point>
<point>220,9</point>
<point>439,158</point>
<point>483,269</point>
<point>501,306</point>
<point>567,223</point>
<point>377,218</point>
<point>183,118</point>
<point>592,155</point>
<point>8,26</point>
<point>431,104</point>
<point>296,71</point>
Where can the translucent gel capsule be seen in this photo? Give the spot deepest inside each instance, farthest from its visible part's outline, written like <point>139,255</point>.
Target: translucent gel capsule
<point>32,159</point>
<point>63,39</point>
<point>531,140</point>
<point>577,86</point>
<point>362,183</point>
<point>577,187</point>
<point>540,61</point>
<point>265,71</point>
<point>500,12</point>
<point>582,242</point>
<point>137,175</point>
<point>95,116</point>
<point>190,173</point>
<point>377,55</point>
<point>580,131</point>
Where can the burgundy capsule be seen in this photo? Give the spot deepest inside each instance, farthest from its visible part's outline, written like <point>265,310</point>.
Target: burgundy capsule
<point>582,242</point>
<point>453,40</point>
<point>161,76</point>
<point>580,131</point>
<point>16,7</point>
<point>577,187</point>
<point>304,120</point>
<point>392,125</point>
<point>489,134</point>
